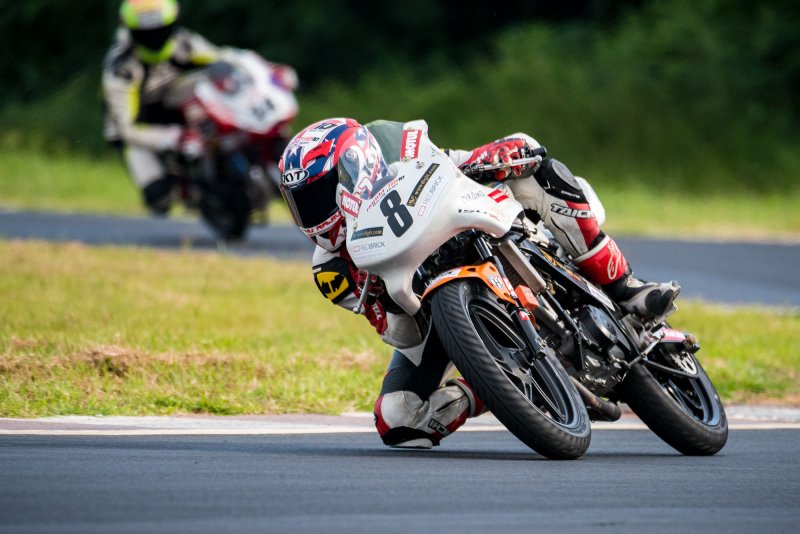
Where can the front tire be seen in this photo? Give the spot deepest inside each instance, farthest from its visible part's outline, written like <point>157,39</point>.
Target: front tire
<point>684,411</point>
<point>226,209</point>
<point>533,398</point>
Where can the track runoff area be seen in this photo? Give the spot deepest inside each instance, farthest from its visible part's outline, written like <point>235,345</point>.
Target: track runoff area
<point>739,417</point>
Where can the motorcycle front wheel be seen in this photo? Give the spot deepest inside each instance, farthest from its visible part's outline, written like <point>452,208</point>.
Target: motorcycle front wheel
<point>226,209</point>
<point>672,394</point>
<point>532,397</point>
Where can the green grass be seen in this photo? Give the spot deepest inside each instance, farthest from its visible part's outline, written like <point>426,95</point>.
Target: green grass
<point>67,182</point>
<point>135,331</point>
<point>73,183</point>
<point>113,331</point>
<point>751,353</point>
<point>36,180</point>
<point>734,215</point>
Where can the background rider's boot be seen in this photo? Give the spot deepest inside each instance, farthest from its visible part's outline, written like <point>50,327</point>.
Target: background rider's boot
<point>604,264</point>
<point>158,194</point>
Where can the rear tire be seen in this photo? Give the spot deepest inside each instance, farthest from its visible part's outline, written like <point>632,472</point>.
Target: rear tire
<point>535,401</point>
<point>685,412</point>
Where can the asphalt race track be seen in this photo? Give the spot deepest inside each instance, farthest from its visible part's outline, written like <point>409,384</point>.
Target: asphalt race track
<point>764,273</point>
<point>273,474</point>
<point>477,481</point>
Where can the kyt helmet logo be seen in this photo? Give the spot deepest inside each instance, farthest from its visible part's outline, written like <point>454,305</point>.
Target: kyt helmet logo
<point>294,175</point>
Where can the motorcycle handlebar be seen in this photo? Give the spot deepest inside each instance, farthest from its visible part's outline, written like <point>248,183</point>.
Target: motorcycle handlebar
<point>530,156</point>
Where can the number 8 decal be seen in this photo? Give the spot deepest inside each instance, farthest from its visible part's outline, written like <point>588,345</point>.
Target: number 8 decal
<point>397,214</point>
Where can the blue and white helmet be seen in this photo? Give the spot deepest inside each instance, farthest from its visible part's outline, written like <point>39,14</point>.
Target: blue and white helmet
<point>311,173</point>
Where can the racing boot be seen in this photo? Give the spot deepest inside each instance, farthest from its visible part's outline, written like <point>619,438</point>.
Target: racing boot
<point>604,264</point>
<point>649,300</point>
<point>158,195</point>
<point>406,421</point>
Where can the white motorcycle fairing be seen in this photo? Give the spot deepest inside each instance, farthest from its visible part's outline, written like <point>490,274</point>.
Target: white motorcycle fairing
<point>424,201</point>
<point>258,104</point>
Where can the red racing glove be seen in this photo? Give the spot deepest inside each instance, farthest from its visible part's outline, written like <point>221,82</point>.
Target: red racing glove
<point>500,151</point>
<point>374,311</point>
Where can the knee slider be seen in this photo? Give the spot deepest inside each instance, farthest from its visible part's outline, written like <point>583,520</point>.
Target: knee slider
<point>395,418</point>
<point>476,405</point>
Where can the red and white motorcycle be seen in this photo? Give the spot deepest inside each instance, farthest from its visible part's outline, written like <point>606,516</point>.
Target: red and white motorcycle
<point>237,112</point>
<point>544,348</point>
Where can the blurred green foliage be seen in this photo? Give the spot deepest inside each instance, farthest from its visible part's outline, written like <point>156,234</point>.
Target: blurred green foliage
<point>703,92</point>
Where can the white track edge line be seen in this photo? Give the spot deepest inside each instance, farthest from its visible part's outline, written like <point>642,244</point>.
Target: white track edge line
<point>323,430</point>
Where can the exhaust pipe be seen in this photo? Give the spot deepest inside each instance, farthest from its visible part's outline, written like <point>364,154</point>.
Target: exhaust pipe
<point>601,408</point>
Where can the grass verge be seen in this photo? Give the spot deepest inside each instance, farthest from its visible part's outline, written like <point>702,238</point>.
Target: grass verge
<point>133,331</point>
<point>71,183</point>
<point>113,331</point>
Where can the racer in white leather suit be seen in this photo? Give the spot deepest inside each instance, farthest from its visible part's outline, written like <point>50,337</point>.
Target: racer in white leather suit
<point>150,52</point>
<point>419,404</point>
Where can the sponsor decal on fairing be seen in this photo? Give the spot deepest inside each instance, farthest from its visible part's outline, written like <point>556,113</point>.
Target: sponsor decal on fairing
<point>376,231</point>
<point>429,196</point>
<point>412,199</point>
<point>369,249</point>
<point>410,144</point>
<point>498,196</point>
<point>473,195</point>
<point>350,203</point>
<point>377,198</point>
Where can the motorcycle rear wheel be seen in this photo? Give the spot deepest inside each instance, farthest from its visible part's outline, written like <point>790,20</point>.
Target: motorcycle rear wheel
<point>684,411</point>
<point>533,398</point>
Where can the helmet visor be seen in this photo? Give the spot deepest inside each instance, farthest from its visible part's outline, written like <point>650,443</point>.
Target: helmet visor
<point>154,39</point>
<point>312,203</point>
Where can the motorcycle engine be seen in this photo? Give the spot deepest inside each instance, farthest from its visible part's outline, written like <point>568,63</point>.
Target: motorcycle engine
<point>601,362</point>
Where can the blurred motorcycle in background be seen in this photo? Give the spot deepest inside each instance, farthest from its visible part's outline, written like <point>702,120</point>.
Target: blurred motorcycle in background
<point>237,113</point>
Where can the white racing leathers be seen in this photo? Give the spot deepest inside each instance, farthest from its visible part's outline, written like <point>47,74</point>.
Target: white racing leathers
<point>419,403</point>
<point>134,93</point>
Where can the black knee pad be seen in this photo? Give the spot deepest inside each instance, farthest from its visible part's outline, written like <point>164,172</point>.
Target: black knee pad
<point>158,195</point>
<point>559,181</point>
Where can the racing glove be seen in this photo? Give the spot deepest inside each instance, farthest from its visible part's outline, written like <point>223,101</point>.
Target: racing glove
<point>284,77</point>
<point>191,144</point>
<point>374,310</point>
<point>500,151</point>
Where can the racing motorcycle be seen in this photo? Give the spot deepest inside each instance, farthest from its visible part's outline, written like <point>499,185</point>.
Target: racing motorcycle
<point>545,348</point>
<point>238,110</point>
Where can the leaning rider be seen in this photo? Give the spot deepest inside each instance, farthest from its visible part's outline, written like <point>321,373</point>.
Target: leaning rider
<point>415,407</point>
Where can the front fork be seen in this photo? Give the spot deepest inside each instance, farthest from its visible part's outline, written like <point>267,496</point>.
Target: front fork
<point>522,316</point>
<point>599,408</point>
